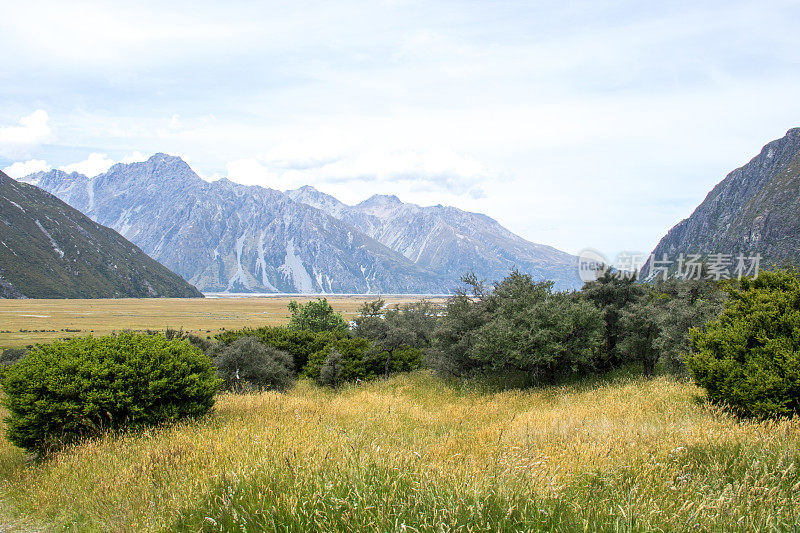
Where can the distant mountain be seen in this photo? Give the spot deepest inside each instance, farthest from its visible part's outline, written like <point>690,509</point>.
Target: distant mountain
<point>447,240</point>
<point>225,237</point>
<point>754,210</point>
<point>50,250</point>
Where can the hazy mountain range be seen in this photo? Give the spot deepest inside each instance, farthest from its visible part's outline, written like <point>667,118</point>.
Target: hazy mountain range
<point>50,250</point>
<point>754,210</point>
<point>225,237</point>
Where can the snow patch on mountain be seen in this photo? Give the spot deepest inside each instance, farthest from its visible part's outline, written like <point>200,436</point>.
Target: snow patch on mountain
<point>295,272</point>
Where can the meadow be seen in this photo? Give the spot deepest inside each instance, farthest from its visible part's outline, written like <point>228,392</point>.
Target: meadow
<point>416,453</point>
<point>24,322</point>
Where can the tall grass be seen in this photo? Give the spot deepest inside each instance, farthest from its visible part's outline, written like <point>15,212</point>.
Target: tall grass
<point>417,454</point>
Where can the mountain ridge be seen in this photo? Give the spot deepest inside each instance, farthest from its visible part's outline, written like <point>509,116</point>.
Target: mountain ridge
<point>227,237</point>
<point>51,250</point>
<point>754,210</point>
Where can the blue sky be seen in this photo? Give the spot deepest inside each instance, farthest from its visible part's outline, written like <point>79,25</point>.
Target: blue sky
<point>579,124</point>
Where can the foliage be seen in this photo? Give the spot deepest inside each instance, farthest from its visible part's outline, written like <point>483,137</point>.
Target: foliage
<point>300,344</point>
<point>398,335</point>
<point>351,359</point>
<point>248,364</point>
<point>316,316</point>
<point>66,391</point>
<point>612,294</point>
<point>12,355</point>
<point>749,358</point>
<point>520,327</point>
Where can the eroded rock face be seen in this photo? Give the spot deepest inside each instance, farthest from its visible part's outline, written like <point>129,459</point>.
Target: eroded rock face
<point>755,209</point>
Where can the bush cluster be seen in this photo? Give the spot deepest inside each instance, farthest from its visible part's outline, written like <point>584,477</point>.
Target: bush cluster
<point>749,357</point>
<point>69,390</point>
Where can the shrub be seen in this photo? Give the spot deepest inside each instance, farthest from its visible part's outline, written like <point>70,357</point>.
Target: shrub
<point>247,363</point>
<point>749,358</point>
<point>300,344</point>
<point>331,372</point>
<point>522,327</point>
<point>316,316</point>
<point>69,390</point>
<point>12,355</point>
<point>352,353</point>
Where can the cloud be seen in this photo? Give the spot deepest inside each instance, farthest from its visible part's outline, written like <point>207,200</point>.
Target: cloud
<point>94,165</point>
<point>32,130</point>
<point>135,157</point>
<point>20,169</point>
<point>250,172</point>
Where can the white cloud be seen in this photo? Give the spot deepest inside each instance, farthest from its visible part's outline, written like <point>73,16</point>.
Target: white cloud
<point>20,169</point>
<point>135,157</point>
<point>32,130</point>
<point>250,172</point>
<point>94,165</point>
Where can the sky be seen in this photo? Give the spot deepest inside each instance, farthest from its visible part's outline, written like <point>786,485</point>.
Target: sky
<point>575,124</point>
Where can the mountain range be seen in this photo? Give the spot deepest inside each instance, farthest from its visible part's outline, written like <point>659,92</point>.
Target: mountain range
<point>225,237</point>
<point>754,210</point>
<point>50,250</point>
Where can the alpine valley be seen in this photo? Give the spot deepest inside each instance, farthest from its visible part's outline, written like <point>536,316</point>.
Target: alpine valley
<point>225,237</point>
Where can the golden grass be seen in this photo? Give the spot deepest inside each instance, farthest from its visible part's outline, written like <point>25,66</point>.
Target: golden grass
<point>417,454</point>
<point>25,322</point>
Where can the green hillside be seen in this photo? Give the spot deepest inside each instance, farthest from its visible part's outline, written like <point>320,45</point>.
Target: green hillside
<point>50,250</point>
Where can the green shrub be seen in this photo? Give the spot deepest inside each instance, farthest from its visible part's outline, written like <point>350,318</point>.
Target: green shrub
<point>749,358</point>
<point>520,328</point>
<point>248,364</point>
<point>316,316</point>
<point>300,344</point>
<point>69,390</point>
<point>351,351</point>
<point>332,370</point>
<point>12,355</point>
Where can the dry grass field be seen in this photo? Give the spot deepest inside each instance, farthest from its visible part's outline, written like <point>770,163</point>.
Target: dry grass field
<point>24,322</point>
<point>418,454</point>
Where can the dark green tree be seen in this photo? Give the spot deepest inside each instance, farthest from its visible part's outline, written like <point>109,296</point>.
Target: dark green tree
<point>248,364</point>
<point>612,293</point>
<point>316,316</point>
<point>749,358</point>
<point>406,329</point>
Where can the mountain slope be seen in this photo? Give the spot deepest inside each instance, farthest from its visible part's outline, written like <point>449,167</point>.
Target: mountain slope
<point>222,236</point>
<point>50,250</point>
<point>755,209</point>
<point>447,240</point>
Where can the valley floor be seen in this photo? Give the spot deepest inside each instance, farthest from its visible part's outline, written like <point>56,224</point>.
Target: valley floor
<point>418,454</point>
<point>24,322</point>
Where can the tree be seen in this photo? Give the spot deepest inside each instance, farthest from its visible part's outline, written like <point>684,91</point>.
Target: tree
<point>332,371</point>
<point>316,316</point>
<point>544,335</point>
<point>640,330</point>
<point>521,326</point>
<point>403,329</point>
<point>749,357</point>
<point>249,364</point>
<point>453,344</point>
<point>685,305</point>
<point>612,293</point>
